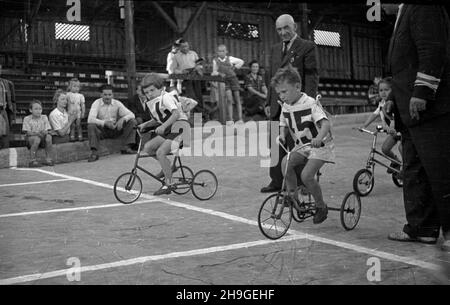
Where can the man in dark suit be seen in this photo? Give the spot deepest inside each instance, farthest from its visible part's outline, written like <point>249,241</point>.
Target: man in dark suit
<point>419,60</point>
<point>138,106</point>
<point>302,55</point>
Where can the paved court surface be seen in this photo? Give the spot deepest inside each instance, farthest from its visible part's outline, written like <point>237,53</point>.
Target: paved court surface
<point>54,219</point>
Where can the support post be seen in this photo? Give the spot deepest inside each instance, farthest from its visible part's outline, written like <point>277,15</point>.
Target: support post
<point>130,52</point>
<point>305,30</point>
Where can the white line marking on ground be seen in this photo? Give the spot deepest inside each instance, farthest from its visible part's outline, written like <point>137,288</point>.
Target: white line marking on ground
<point>144,259</point>
<point>33,182</point>
<point>356,248</point>
<point>91,207</point>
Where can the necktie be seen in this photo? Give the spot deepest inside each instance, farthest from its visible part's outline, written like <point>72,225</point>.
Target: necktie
<point>285,47</point>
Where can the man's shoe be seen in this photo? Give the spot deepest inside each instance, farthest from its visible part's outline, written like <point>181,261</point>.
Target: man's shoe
<point>270,189</point>
<point>161,173</point>
<point>93,158</point>
<point>320,215</point>
<point>128,151</point>
<point>164,190</point>
<point>402,236</point>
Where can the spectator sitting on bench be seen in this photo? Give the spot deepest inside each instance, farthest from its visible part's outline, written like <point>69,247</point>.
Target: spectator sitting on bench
<point>60,119</point>
<point>109,118</point>
<point>256,91</point>
<point>37,128</point>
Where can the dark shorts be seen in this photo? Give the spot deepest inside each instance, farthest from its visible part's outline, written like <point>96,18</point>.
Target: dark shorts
<point>169,135</point>
<point>232,83</point>
<point>41,144</point>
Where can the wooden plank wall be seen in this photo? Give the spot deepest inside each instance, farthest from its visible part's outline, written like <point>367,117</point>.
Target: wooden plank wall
<point>335,62</point>
<point>106,40</point>
<point>367,52</point>
<point>363,62</point>
<point>204,40</point>
<point>15,40</point>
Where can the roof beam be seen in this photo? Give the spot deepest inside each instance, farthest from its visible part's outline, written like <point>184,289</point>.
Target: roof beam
<point>166,17</point>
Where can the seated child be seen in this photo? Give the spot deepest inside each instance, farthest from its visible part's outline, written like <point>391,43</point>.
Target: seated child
<point>307,122</point>
<point>165,112</point>
<point>225,65</point>
<point>37,128</point>
<point>384,89</point>
<point>75,106</point>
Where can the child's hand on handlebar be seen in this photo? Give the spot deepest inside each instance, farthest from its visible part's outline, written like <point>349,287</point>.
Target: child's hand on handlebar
<point>316,143</point>
<point>281,140</point>
<point>390,130</point>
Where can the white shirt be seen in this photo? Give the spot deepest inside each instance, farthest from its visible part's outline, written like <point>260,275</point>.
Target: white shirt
<point>162,107</point>
<point>59,119</point>
<point>398,15</point>
<point>182,61</point>
<point>301,118</point>
<point>101,112</point>
<point>379,111</point>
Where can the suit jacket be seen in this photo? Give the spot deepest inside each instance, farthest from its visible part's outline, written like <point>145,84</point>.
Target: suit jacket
<point>419,60</point>
<point>135,106</point>
<point>303,56</point>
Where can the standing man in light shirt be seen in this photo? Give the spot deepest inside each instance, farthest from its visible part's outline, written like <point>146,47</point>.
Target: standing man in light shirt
<point>109,118</point>
<point>186,61</point>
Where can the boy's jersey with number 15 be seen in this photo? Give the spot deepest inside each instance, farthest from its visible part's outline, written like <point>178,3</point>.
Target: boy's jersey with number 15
<point>162,106</point>
<point>301,118</point>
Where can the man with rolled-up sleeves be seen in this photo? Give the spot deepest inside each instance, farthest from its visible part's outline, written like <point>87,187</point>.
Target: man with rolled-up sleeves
<point>109,118</point>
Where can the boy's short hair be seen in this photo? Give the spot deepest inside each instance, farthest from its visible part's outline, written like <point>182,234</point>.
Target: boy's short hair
<point>288,74</point>
<point>35,101</point>
<point>178,42</point>
<point>254,61</point>
<point>172,88</point>
<point>71,82</point>
<point>152,79</point>
<point>386,80</point>
<point>58,93</point>
<point>106,87</point>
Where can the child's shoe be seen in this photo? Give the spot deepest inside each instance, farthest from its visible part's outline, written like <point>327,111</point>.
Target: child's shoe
<point>164,190</point>
<point>320,215</point>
